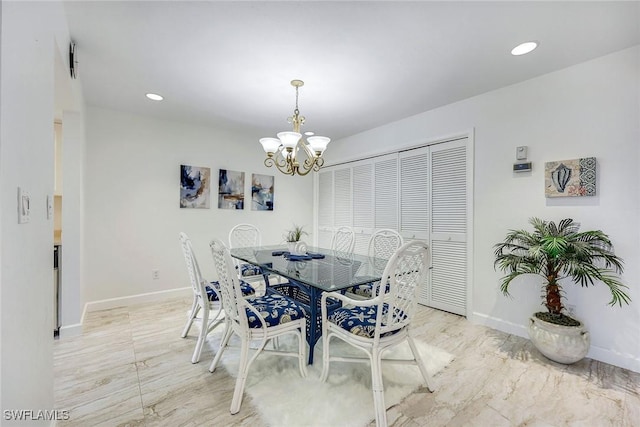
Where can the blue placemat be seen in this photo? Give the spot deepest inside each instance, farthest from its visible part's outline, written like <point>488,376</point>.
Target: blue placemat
<point>315,255</point>
<point>297,257</point>
<point>307,257</point>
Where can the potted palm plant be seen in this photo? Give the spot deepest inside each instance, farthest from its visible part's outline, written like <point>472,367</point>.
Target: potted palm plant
<point>555,252</point>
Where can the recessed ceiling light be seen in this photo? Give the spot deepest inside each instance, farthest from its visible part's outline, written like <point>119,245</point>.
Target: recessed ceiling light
<point>154,97</point>
<point>524,48</point>
<point>309,133</point>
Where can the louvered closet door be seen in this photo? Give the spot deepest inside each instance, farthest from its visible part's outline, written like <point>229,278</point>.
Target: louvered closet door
<point>449,218</point>
<point>425,194</point>
<point>386,191</point>
<point>414,194</point>
<point>362,194</point>
<point>325,208</point>
<point>342,197</point>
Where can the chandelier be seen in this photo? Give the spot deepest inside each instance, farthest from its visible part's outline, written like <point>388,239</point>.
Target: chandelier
<point>288,150</point>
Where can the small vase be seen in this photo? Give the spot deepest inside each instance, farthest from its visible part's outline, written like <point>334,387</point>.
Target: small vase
<point>562,344</point>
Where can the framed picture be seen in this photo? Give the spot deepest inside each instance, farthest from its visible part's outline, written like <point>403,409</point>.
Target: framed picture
<point>570,178</point>
<point>195,187</point>
<point>230,189</point>
<point>261,192</point>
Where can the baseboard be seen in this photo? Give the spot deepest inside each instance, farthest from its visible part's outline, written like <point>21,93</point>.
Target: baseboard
<point>106,304</point>
<point>626,361</point>
<point>499,324</point>
<point>71,330</point>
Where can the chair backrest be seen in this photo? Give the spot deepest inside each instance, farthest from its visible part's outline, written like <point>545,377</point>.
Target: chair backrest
<point>384,243</point>
<point>405,273</point>
<point>195,276</point>
<point>244,235</point>
<point>344,240</point>
<point>230,291</point>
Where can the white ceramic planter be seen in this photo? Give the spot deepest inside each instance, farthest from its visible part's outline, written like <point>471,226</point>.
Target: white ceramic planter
<point>562,344</point>
<point>297,248</point>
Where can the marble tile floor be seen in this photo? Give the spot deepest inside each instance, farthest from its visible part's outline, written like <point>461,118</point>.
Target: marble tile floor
<point>131,368</point>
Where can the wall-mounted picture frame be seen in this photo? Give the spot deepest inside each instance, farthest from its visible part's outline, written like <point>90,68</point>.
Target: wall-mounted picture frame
<point>261,192</point>
<point>570,178</point>
<point>230,189</point>
<point>195,187</point>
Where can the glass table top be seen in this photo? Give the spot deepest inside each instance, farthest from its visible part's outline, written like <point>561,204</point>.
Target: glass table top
<point>333,272</point>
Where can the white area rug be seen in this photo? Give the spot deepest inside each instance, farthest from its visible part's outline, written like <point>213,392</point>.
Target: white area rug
<point>284,398</point>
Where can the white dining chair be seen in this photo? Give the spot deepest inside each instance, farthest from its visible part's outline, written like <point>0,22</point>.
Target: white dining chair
<point>243,236</point>
<point>382,245</point>
<point>206,299</point>
<point>377,324</point>
<point>260,318</point>
<point>343,240</point>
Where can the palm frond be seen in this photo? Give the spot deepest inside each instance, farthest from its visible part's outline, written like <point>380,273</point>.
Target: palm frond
<point>554,250</point>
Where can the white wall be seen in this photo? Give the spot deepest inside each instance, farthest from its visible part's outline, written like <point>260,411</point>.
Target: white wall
<point>30,34</point>
<point>132,213</point>
<point>591,109</point>
<point>72,273</point>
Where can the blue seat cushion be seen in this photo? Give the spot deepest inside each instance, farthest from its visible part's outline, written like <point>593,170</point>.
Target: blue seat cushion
<point>250,270</point>
<point>365,290</point>
<point>247,290</point>
<point>275,309</point>
<point>359,320</point>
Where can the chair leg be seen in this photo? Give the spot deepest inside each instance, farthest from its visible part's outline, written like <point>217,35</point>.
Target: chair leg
<point>420,363</point>
<point>378,389</point>
<point>223,344</point>
<point>243,369</point>
<point>202,336</point>
<point>195,307</point>
<point>325,357</point>
<point>216,316</point>
<point>302,356</point>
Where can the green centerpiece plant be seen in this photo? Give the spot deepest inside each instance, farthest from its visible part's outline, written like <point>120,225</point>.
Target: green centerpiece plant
<point>292,237</point>
<point>295,234</point>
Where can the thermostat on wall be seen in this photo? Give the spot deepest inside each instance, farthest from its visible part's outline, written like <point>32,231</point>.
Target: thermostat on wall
<point>522,167</point>
<point>521,153</point>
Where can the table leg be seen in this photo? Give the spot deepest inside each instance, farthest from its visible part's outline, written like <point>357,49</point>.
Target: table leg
<point>314,333</point>
<point>314,328</point>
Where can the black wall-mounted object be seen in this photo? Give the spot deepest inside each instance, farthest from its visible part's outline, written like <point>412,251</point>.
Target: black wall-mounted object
<point>522,167</point>
<point>73,60</point>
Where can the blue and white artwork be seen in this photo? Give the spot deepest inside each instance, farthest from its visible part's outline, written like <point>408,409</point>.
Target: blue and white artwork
<point>195,187</point>
<point>261,192</point>
<point>230,189</point>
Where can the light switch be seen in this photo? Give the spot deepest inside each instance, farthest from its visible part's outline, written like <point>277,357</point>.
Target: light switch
<point>49,206</point>
<point>24,207</point>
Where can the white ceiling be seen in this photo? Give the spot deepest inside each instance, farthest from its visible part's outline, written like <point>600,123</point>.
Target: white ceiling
<point>229,64</point>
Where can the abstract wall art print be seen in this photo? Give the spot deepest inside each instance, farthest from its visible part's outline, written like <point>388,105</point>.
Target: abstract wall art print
<point>261,192</point>
<point>570,178</point>
<point>195,187</point>
<point>230,189</point>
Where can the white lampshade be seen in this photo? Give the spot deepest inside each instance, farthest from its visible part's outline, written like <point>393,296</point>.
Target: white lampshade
<point>318,143</point>
<point>270,145</point>
<point>289,139</point>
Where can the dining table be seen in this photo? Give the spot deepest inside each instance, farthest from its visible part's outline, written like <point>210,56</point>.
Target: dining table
<point>310,274</point>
